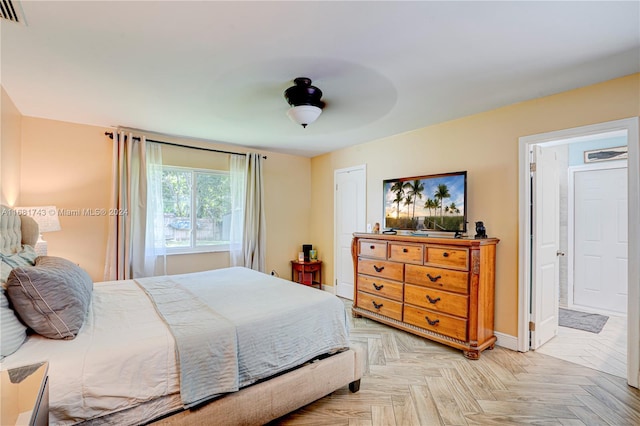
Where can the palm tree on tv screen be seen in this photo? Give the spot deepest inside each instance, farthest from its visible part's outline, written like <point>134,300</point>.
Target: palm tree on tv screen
<point>441,193</point>
<point>408,201</point>
<point>397,187</point>
<point>415,191</point>
<point>431,205</point>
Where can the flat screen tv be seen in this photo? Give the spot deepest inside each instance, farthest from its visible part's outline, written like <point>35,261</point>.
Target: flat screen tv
<point>436,203</point>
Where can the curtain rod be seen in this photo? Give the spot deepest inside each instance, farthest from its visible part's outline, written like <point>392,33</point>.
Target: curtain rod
<point>110,134</point>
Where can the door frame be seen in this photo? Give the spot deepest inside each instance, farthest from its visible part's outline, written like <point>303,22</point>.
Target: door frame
<point>336,241</point>
<point>630,125</point>
<point>617,164</point>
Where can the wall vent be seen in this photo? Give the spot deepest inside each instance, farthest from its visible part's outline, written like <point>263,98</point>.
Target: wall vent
<point>11,10</point>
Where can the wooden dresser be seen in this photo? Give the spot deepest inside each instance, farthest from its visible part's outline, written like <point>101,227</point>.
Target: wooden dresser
<point>438,288</point>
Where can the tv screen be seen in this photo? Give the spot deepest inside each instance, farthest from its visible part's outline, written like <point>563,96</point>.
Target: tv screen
<point>426,203</point>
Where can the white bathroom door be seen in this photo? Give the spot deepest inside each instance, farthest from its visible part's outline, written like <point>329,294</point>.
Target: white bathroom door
<point>601,239</point>
<point>350,217</point>
<point>546,242</point>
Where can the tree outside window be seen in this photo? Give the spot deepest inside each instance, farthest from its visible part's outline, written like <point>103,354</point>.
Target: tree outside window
<point>197,209</point>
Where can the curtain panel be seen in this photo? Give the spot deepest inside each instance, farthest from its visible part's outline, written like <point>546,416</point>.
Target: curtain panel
<point>135,245</point>
<point>248,224</point>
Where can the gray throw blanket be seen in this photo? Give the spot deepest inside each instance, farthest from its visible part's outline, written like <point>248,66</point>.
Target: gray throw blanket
<point>206,344</point>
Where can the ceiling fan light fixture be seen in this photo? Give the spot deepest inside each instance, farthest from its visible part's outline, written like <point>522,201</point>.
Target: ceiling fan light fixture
<point>304,114</point>
<point>305,102</point>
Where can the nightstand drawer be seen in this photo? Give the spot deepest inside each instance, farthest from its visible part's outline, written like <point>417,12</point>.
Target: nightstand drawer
<point>312,267</point>
<point>380,305</point>
<point>445,256</point>
<point>371,248</point>
<point>436,321</point>
<point>380,287</point>
<point>440,301</point>
<point>380,268</point>
<point>438,278</point>
<point>409,253</point>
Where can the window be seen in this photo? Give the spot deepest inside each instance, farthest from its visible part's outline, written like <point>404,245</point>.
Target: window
<point>197,209</point>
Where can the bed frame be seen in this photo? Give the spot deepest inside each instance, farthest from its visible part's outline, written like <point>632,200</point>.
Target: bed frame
<point>256,404</point>
<point>265,401</point>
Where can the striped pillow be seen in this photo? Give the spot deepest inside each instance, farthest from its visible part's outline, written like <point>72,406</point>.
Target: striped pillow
<point>12,333</point>
<point>52,297</point>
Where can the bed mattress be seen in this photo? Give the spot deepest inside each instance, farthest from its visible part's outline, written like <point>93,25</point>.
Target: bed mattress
<point>125,355</point>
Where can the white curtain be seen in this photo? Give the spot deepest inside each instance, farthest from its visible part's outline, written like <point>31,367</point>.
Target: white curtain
<point>135,246</point>
<point>248,238</point>
<point>237,182</point>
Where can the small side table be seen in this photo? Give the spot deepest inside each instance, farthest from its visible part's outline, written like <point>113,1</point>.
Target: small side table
<point>307,272</point>
<point>25,395</point>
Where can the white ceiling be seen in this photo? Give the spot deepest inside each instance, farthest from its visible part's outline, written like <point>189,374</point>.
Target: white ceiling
<point>218,70</point>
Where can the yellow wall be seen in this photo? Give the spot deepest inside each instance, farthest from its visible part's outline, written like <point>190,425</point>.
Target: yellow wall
<point>69,165</point>
<point>10,134</point>
<point>486,146</point>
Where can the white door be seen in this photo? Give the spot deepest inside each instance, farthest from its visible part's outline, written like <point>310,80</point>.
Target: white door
<point>350,217</point>
<point>601,239</point>
<point>546,239</point>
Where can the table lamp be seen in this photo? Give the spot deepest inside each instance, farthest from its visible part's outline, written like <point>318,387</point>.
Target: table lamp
<point>47,219</point>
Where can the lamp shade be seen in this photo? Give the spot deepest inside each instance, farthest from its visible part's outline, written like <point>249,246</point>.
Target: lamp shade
<point>304,114</point>
<point>45,216</point>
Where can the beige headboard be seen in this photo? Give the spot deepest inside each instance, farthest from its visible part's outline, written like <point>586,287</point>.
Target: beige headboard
<point>16,230</point>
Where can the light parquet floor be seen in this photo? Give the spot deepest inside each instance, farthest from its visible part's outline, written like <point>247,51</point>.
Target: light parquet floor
<point>413,381</point>
<point>605,351</point>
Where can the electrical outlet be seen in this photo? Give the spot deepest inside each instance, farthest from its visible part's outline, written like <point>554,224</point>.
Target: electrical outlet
<point>369,228</point>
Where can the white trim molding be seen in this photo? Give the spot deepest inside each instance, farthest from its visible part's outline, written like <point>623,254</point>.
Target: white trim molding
<point>506,341</point>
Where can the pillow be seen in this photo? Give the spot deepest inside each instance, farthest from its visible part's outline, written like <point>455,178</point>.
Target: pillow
<point>26,256</point>
<point>52,297</point>
<point>12,331</point>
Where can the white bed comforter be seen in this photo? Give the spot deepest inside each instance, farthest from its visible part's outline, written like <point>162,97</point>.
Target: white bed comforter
<point>125,354</point>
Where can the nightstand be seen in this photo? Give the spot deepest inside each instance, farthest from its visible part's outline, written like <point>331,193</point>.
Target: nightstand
<point>25,395</point>
<point>307,272</point>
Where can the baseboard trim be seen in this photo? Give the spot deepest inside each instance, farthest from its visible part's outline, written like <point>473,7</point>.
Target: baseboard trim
<point>506,341</point>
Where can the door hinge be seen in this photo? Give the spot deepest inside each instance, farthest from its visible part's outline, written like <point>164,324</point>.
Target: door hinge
<point>532,167</point>
<point>532,326</point>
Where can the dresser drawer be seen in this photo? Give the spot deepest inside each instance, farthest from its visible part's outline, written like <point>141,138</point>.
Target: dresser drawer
<point>449,257</point>
<point>409,253</point>
<point>372,248</point>
<point>380,268</point>
<point>436,321</point>
<point>441,301</point>
<point>380,287</point>
<point>381,305</point>
<point>444,279</point>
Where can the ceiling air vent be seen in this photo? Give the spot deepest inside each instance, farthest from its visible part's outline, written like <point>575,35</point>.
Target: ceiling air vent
<point>11,10</point>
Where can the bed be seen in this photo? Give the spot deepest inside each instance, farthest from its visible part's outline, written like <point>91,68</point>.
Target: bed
<point>228,346</point>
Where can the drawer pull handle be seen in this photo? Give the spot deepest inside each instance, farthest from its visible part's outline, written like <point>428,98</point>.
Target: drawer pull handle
<point>433,301</point>
<point>372,247</point>
<point>378,269</point>
<point>445,254</point>
<point>405,250</point>
<point>434,279</point>
<point>377,305</point>
<point>378,287</point>
<point>434,322</point>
